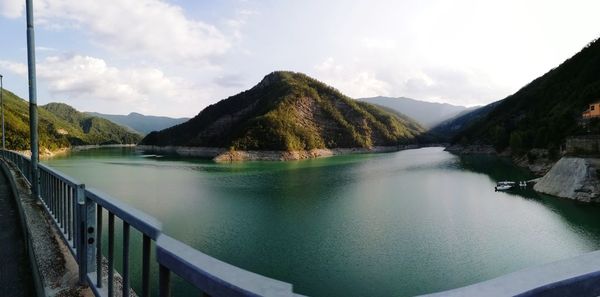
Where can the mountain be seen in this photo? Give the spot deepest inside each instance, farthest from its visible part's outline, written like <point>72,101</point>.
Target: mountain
<point>448,129</point>
<point>95,130</point>
<point>54,131</point>
<point>289,111</point>
<point>427,114</point>
<point>140,123</point>
<point>545,111</point>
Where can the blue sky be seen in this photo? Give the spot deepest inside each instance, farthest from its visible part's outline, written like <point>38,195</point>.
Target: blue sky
<point>176,57</point>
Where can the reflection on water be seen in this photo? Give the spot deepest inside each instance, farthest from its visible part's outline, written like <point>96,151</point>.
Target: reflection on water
<point>394,224</point>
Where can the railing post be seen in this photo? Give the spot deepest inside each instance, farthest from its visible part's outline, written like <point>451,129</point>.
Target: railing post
<point>164,281</point>
<point>86,248</point>
<point>146,246</point>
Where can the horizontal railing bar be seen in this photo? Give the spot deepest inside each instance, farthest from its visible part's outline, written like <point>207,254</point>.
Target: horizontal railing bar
<point>577,276</point>
<point>213,276</point>
<point>17,154</point>
<point>139,220</point>
<point>23,173</point>
<point>65,178</point>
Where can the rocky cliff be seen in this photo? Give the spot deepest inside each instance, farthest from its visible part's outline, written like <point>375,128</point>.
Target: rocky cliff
<point>573,178</point>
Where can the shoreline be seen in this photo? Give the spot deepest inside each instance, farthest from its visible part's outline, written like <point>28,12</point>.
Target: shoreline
<point>226,155</point>
<point>573,177</point>
<point>48,154</point>
<point>539,166</point>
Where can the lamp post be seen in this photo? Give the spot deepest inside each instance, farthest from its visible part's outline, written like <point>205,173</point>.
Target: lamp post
<point>33,121</point>
<point>2,107</point>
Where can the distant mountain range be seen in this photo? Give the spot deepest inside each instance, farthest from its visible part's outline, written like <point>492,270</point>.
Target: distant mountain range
<point>59,126</point>
<point>289,111</point>
<point>140,123</point>
<point>541,114</point>
<point>448,129</point>
<point>427,114</point>
<point>95,130</point>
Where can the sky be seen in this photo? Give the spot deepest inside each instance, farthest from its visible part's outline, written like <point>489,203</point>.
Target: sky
<point>175,57</point>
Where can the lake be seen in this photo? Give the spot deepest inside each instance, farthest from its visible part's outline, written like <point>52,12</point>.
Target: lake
<point>395,224</point>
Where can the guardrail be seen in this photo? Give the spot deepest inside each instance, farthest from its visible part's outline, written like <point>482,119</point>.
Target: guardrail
<point>576,276</point>
<point>78,213</point>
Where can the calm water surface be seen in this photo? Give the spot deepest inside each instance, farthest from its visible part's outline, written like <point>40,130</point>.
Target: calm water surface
<point>394,224</point>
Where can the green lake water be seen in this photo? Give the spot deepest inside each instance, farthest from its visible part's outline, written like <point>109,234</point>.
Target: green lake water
<point>395,224</point>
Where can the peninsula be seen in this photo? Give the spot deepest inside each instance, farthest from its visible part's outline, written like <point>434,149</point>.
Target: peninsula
<point>287,116</point>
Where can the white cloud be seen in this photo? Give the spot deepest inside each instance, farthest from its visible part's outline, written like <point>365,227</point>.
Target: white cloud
<point>439,83</point>
<point>45,49</point>
<point>237,23</point>
<point>91,82</point>
<point>378,44</point>
<point>367,78</point>
<point>11,8</point>
<point>17,68</point>
<point>352,82</point>
<point>147,28</point>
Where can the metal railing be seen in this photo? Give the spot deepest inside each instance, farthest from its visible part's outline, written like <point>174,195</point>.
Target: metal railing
<point>78,214</point>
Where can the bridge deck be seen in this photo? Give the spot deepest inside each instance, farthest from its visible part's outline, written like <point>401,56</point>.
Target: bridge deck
<point>15,274</point>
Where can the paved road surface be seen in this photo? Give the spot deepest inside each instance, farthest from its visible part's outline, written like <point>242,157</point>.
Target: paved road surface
<point>15,274</point>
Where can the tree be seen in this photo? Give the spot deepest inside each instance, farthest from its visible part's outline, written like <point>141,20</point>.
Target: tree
<point>516,142</point>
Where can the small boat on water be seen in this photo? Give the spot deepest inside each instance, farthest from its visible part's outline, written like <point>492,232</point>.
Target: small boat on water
<point>502,188</point>
<point>507,185</point>
<point>504,185</point>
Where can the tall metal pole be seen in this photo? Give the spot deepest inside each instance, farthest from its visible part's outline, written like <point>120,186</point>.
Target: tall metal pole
<point>2,106</point>
<point>33,118</point>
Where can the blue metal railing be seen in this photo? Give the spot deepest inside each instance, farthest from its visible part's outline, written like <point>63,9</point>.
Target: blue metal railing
<point>78,214</point>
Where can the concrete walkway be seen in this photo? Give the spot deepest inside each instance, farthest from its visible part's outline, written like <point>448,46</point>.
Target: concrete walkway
<point>15,274</point>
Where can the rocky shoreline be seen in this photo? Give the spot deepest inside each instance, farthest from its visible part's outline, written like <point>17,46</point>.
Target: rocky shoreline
<point>537,161</point>
<point>226,155</point>
<point>576,178</point>
<point>47,154</point>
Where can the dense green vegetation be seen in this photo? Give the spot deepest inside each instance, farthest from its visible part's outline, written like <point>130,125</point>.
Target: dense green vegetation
<point>140,123</point>
<point>447,130</point>
<point>96,130</point>
<point>289,111</point>
<point>544,112</point>
<point>54,131</point>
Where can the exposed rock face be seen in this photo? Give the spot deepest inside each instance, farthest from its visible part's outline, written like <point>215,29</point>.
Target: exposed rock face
<point>537,161</point>
<point>233,156</point>
<point>574,178</point>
